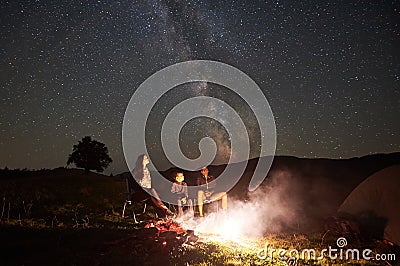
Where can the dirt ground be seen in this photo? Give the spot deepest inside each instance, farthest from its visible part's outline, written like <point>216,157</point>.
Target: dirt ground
<point>77,247</point>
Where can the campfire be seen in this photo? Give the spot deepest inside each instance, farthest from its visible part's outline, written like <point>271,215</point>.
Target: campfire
<point>216,227</point>
<point>236,233</point>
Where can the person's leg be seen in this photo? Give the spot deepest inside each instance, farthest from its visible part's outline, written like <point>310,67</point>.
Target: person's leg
<point>200,199</point>
<point>161,212</point>
<point>156,199</point>
<point>190,204</point>
<point>155,194</point>
<point>224,199</point>
<point>180,209</point>
<point>159,204</point>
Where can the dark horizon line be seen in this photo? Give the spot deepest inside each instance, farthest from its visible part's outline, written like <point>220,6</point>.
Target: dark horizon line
<point>172,167</point>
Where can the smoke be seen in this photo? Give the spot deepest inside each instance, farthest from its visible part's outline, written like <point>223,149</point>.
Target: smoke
<point>270,209</point>
<point>277,207</point>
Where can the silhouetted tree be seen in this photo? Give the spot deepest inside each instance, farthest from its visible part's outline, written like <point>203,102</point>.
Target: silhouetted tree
<point>90,155</point>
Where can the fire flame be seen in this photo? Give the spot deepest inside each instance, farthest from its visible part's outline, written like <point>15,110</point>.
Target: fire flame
<point>217,227</point>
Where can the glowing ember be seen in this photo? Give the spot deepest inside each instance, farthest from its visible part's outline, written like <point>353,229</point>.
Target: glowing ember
<point>170,232</point>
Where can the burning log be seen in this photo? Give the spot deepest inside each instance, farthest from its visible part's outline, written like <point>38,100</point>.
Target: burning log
<point>170,233</point>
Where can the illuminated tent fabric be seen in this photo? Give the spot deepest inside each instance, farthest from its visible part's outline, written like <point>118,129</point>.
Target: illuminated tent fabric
<point>378,198</point>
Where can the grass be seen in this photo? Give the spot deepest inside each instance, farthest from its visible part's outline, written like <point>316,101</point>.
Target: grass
<point>246,252</point>
<point>67,217</point>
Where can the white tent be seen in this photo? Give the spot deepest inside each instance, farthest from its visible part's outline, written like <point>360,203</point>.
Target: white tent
<point>379,196</point>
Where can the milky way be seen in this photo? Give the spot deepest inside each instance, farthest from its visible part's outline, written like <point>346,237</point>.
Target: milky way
<point>68,69</point>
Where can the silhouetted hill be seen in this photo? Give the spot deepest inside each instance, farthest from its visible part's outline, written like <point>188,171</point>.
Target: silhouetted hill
<point>342,175</point>
<point>58,192</point>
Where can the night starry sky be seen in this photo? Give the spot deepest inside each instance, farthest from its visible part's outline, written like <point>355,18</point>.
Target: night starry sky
<point>329,69</point>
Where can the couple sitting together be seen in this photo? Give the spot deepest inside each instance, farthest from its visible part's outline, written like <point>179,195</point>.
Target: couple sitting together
<point>206,189</point>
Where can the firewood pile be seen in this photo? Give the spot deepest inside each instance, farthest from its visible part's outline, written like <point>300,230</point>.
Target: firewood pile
<point>156,236</point>
<point>156,242</point>
<point>169,233</point>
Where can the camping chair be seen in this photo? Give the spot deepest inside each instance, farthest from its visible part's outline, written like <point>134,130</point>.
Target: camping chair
<point>132,196</point>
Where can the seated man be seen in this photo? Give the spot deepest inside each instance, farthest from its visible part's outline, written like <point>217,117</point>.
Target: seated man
<point>180,190</point>
<point>206,191</point>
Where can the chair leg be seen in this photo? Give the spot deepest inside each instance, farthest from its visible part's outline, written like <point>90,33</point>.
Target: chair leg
<point>133,212</point>
<point>134,218</point>
<point>123,211</point>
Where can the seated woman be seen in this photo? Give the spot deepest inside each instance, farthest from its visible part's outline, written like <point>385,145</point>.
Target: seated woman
<point>180,190</point>
<point>142,174</point>
<point>206,191</point>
